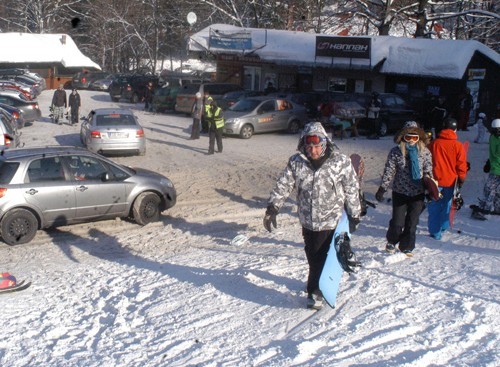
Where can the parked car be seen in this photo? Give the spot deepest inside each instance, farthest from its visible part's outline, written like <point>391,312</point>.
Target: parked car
<point>231,98</point>
<point>110,130</point>
<point>131,87</point>
<point>31,110</point>
<point>394,111</point>
<point>9,137</point>
<point>83,79</point>
<point>263,114</point>
<point>16,114</point>
<point>14,93</point>
<point>309,100</point>
<point>48,186</point>
<point>103,84</point>
<point>164,98</point>
<point>186,96</point>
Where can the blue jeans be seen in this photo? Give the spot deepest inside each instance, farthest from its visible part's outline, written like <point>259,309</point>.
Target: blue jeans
<point>439,213</point>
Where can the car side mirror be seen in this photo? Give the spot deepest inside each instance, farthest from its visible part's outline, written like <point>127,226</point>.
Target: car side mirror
<point>105,177</point>
<point>260,111</point>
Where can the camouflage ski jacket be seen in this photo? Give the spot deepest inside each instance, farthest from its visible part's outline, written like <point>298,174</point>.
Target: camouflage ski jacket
<point>397,170</point>
<point>321,194</point>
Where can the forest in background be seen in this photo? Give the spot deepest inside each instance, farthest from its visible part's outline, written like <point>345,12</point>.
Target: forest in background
<point>124,35</point>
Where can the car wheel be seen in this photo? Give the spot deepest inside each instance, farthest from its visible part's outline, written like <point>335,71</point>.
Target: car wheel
<point>383,129</point>
<point>294,126</point>
<point>147,208</point>
<point>19,226</point>
<point>246,131</point>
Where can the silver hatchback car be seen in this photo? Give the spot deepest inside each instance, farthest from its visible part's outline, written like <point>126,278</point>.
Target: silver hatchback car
<point>49,186</point>
<point>113,131</point>
<point>263,114</point>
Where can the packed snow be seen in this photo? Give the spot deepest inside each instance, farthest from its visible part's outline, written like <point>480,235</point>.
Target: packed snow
<point>178,293</point>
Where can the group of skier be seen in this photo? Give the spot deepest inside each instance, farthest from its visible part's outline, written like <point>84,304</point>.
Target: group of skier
<point>326,184</point>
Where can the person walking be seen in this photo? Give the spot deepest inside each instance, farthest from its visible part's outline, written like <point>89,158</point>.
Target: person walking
<point>449,167</point>
<point>215,119</point>
<point>372,113</point>
<point>59,104</point>
<point>481,128</point>
<point>406,165</point>
<point>325,183</point>
<point>490,202</point>
<point>74,104</point>
<point>464,107</point>
<point>148,97</point>
<point>197,113</point>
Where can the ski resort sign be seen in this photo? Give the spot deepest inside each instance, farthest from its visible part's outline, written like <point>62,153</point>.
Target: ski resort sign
<point>348,47</point>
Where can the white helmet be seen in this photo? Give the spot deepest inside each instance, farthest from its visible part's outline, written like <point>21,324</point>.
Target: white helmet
<point>495,123</point>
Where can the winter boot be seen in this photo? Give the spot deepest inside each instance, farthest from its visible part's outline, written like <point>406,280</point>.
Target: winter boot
<point>314,301</point>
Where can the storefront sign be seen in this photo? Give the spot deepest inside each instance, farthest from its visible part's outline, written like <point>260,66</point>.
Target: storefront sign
<point>230,40</point>
<point>349,47</point>
<point>477,74</point>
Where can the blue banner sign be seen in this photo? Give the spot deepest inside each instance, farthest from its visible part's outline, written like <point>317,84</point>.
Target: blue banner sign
<point>230,40</point>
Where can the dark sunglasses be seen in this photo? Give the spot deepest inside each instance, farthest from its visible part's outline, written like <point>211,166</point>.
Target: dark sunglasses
<point>409,138</point>
<point>314,140</point>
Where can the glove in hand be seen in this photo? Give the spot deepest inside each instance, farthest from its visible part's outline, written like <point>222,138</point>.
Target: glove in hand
<point>353,224</point>
<point>270,218</point>
<point>380,194</point>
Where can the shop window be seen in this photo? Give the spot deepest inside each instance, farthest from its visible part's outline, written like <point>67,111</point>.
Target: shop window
<point>337,85</point>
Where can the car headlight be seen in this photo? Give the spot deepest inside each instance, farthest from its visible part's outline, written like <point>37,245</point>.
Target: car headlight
<point>232,121</point>
<point>166,182</point>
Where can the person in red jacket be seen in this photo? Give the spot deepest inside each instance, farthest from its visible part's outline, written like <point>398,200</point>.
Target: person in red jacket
<point>449,165</point>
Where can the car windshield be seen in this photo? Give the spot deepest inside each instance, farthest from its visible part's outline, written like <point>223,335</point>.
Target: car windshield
<point>231,95</point>
<point>245,105</point>
<point>114,119</point>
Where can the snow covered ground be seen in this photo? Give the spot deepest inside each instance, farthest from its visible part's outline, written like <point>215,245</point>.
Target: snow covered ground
<point>177,293</point>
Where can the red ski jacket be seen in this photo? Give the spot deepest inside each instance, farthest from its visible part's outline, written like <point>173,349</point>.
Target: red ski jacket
<point>449,159</point>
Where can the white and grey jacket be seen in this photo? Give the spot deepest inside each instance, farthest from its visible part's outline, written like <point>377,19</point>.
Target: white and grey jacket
<point>321,193</point>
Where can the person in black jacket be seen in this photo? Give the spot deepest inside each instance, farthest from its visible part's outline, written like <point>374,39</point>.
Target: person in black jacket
<point>148,97</point>
<point>74,105</point>
<point>59,104</point>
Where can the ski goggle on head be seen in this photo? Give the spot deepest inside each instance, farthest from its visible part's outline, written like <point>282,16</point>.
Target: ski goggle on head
<point>411,138</point>
<point>314,140</point>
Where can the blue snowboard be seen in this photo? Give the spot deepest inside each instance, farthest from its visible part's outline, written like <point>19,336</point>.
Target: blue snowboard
<point>329,282</point>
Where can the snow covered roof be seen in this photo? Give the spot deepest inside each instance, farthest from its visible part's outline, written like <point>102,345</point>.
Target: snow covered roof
<point>43,48</point>
<point>408,56</point>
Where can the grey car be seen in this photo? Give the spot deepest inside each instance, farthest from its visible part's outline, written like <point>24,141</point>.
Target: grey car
<point>49,186</point>
<point>113,131</point>
<point>9,136</point>
<point>31,110</point>
<point>263,114</point>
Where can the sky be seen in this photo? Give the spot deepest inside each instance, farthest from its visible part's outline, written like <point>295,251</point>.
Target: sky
<point>178,293</point>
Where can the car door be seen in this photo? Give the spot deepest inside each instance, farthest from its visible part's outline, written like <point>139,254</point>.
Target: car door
<point>47,189</point>
<point>282,115</point>
<point>265,116</point>
<point>98,195</point>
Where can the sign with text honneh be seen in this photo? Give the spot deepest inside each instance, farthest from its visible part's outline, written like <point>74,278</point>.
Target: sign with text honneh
<point>349,47</point>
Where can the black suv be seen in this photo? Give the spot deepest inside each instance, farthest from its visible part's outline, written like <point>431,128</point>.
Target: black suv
<point>131,87</point>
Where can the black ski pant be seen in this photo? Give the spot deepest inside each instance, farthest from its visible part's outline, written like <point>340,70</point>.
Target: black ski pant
<point>317,244</point>
<point>213,135</point>
<point>195,129</point>
<point>406,212</point>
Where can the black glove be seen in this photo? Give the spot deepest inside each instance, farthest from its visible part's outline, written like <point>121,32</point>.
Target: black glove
<point>353,224</point>
<point>460,183</point>
<point>270,217</point>
<point>487,167</point>
<point>380,194</point>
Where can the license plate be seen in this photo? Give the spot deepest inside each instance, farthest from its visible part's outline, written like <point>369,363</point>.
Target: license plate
<point>118,135</point>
